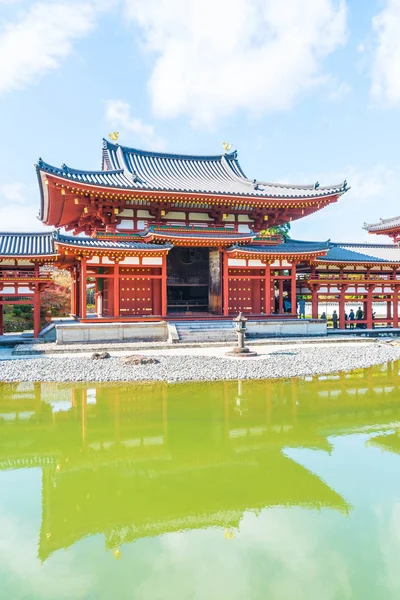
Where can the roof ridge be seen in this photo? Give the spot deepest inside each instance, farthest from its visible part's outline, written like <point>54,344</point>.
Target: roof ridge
<point>26,233</point>
<point>41,164</point>
<point>180,156</point>
<point>365,244</point>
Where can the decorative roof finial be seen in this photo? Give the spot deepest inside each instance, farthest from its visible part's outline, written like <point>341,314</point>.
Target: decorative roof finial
<point>227,146</point>
<point>114,136</point>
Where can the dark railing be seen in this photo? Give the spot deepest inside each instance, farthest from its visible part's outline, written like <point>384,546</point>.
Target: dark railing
<point>14,274</point>
<point>347,277</point>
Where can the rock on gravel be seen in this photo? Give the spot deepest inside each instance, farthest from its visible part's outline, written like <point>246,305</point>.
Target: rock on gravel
<point>304,361</point>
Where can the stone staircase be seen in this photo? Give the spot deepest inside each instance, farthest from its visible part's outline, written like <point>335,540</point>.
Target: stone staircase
<point>205,331</point>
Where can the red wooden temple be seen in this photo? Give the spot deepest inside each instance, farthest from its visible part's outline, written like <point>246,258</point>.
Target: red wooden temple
<point>389,227</point>
<point>24,271</point>
<point>175,236</point>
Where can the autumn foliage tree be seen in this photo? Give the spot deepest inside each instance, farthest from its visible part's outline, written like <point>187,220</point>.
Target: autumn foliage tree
<point>55,300</point>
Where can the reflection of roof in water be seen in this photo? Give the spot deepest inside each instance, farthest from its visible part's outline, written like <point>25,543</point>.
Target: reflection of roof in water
<point>390,442</point>
<point>151,462</point>
<point>151,499</point>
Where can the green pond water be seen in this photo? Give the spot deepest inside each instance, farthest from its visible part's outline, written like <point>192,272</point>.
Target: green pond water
<point>285,490</point>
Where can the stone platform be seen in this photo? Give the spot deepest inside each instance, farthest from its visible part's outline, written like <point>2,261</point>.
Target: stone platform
<point>76,332</point>
<point>218,330</point>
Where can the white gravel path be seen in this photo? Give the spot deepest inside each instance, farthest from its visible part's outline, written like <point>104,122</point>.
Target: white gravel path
<point>199,364</point>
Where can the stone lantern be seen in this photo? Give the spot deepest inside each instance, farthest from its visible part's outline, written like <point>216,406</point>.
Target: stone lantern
<point>240,328</point>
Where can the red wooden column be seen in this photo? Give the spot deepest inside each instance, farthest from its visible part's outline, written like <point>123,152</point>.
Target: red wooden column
<point>268,290</point>
<point>1,319</point>
<point>226,285</point>
<point>36,311</point>
<point>73,293</point>
<point>314,303</point>
<point>395,307</point>
<point>370,321</point>
<point>293,293</point>
<point>116,289</point>
<point>164,299</point>
<point>82,289</point>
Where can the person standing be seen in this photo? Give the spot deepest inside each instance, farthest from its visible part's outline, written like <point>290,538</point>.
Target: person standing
<point>335,319</point>
<point>302,309</point>
<point>359,317</point>
<point>351,317</point>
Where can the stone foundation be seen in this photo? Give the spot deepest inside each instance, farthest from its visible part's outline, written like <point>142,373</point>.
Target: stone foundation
<point>111,332</point>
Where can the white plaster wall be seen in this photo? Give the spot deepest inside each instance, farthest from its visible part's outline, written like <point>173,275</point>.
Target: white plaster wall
<point>152,260</point>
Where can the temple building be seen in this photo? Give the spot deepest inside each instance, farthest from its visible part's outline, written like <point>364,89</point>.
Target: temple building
<point>177,237</point>
<point>24,272</point>
<point>389,227</point>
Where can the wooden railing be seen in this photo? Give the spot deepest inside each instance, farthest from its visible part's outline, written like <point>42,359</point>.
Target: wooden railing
<point>11,275</point>
<point>347,277</point>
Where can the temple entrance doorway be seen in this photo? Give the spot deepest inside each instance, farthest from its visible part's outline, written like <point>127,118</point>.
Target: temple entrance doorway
<point>188,280</point>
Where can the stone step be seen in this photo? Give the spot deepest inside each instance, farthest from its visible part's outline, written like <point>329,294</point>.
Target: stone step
<point>205,331</point>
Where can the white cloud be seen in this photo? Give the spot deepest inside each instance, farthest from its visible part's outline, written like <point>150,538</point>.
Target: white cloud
<point>13,192</point>
<point>386,67</point>
<point>373,194</point>
<point>119,116</point>
<point>18,549</point>
<point>19,207</point>
<point>43,36</point>
<point>218,56</point>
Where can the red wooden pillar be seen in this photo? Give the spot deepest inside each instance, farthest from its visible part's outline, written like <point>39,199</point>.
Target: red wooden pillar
<point>36,311</point>
<point>82,289</point>
<point>73,293</point>
<point>1,319</point>
<point>314,303</point>
<point>164,300</point>
<point>293,293</point>
<point>226,286</point>
<point>370,321</point>
<point>268,302</point>
<point>395,307</point>
<point>342,301</point>
<point>116,289</point>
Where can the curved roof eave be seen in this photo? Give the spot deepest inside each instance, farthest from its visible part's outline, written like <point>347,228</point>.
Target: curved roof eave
<point>126,186</point>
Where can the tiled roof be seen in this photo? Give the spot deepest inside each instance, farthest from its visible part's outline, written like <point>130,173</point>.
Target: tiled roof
<point>338,254</point>
<point>383,224</point>
<point>220,174</point>
<point>26,244</point>
<point>369,253</point>
<point>130,168</point>
<point>288,247</point>
<point>116,178</point>
<point>87,242</point>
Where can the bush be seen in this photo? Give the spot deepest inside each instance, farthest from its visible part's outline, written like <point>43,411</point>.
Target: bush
<point>14,324</point>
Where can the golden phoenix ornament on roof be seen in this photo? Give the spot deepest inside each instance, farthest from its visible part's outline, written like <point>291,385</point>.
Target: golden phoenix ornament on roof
<point>114,136</point>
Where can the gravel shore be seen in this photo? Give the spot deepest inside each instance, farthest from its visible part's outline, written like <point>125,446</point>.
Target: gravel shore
<point>271,363</point>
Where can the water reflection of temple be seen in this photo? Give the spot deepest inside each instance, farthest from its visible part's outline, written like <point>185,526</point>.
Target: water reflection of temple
<point>140,460</point>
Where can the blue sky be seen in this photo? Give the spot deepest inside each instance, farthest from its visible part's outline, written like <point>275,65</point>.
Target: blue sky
<point>305,91</point>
